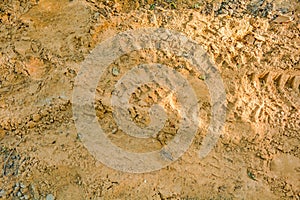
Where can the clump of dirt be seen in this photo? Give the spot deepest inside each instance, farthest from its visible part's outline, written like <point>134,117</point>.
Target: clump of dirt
<point>254,45</point>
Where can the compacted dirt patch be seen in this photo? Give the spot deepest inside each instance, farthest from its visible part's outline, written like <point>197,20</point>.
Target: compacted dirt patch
<point>254,45</point>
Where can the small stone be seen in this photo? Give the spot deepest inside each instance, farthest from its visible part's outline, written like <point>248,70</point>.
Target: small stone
<point>115,71</point>
<point>79,136</point>
<point>31,124</point>
<point>282,19</point>
<point>260,38</point>
<point>19,194</point>
<point>2,193</point>
<point>36,117</point>
<point>114,131</point>
<point>153,19</point>
<point>287,187</point>
<point>280,147</point>
<point>96,15</point>
<point>290,194</point>
<point>25,38</point>
<point>239,45</point>
<point>50,197</point>
<point>166,155</point>
<point>250,39</point>
<point>22,185</point>
<point>24,190</point>
<point>63,108</point>
<point>202,77</point>
<point>44,113</point>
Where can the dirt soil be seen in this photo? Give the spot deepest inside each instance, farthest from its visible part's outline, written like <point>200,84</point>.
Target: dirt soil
<point>255,46</point>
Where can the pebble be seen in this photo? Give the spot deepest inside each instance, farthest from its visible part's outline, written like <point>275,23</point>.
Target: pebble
<point>22,185</point>
<point>282,19</point>
<point>290,194</point>
<point>114,131</point>
<point>2,193</point>
<point>166,154</point>
<point>19,194</point>
<point>25,38</point>
<point>259,37</point>
<point>50,197</point>
<point>31,124</point>
<point>36,117</point>
<point>79,136</point>
<point>239,45</point>
<point>96,15</point>
<point>115,71</point>
<point>44,113</point>
<point>287,187</point>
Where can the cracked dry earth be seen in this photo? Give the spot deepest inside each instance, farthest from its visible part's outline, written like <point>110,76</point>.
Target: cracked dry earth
<point>253,44</point>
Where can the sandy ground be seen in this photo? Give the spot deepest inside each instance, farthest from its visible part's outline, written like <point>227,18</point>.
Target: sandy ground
<point>254,45</point>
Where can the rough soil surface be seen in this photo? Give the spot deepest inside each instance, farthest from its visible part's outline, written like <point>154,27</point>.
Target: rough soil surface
<point>255,46</point>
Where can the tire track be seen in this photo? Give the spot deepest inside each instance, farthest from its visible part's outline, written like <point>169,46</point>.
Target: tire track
<point>269,97</point>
